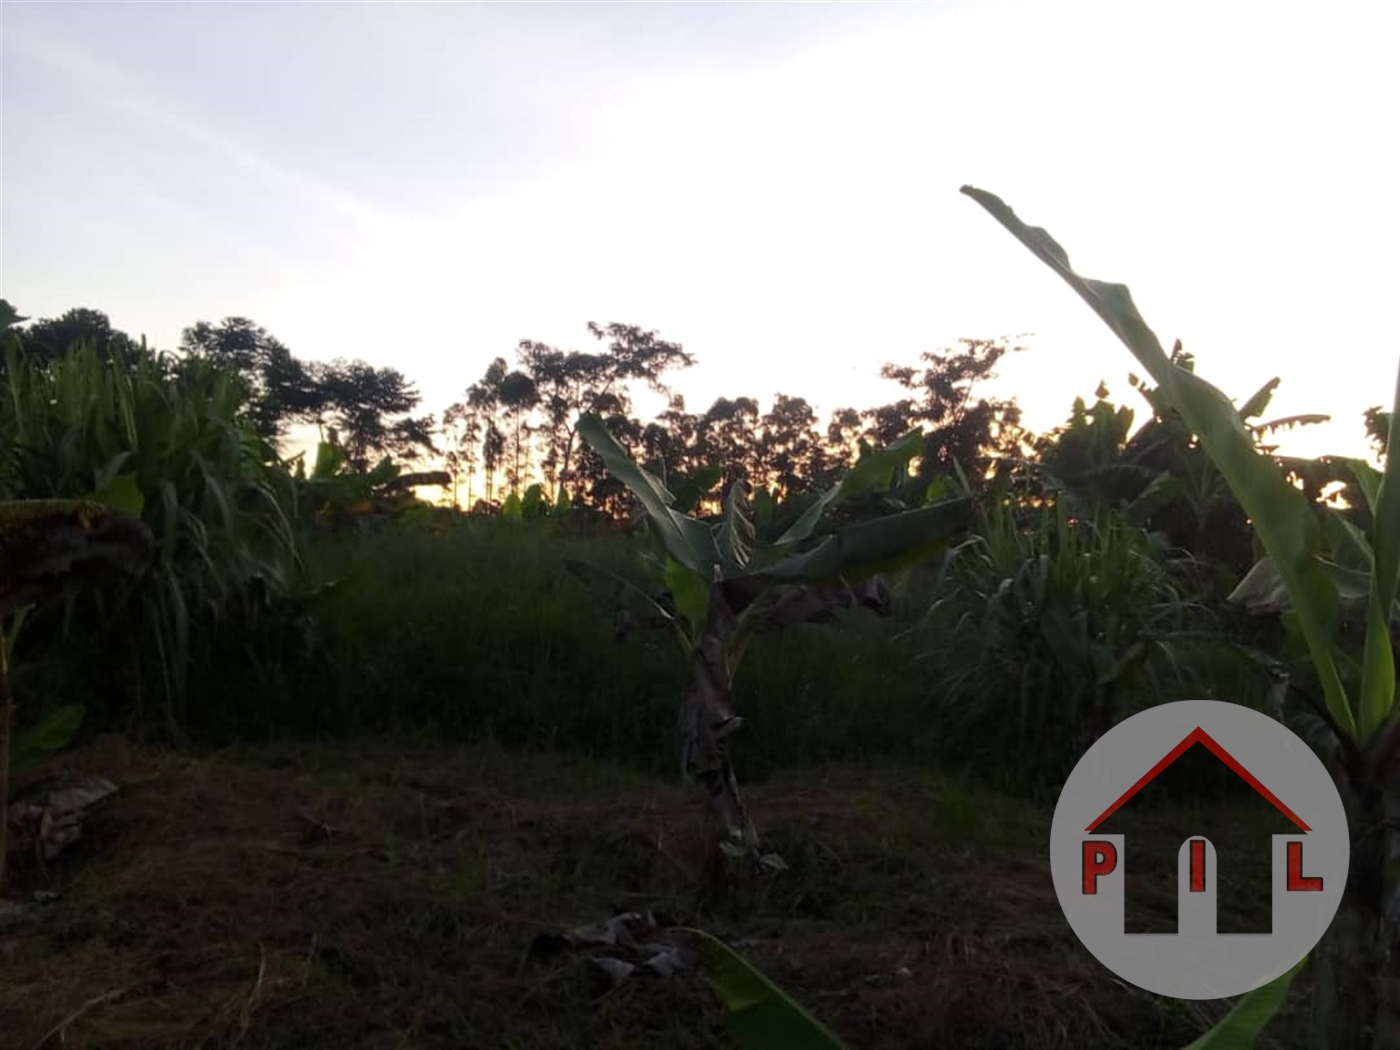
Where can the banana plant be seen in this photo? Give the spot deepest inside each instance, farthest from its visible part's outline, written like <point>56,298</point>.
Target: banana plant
<point>47,548</point>
<point>725,587</point>
<point>1356,997</point>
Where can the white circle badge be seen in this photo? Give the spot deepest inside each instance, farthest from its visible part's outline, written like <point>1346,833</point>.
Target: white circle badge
<point>1309,860</point>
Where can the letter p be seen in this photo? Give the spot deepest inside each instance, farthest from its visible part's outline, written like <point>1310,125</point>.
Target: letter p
<point>1100,858</point>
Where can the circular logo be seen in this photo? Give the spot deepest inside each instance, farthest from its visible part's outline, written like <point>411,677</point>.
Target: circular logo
<point>1095,827</point>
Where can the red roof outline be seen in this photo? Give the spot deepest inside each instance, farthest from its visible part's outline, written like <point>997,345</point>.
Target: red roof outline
<point>1200,736</point>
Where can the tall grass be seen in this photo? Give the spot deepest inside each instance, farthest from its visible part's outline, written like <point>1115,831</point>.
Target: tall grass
<point>1049,631</point>
<point>214,496</point>
<point>475,628</point>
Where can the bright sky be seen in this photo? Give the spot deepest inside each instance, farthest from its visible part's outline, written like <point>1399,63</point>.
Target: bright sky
<point>775,186</point>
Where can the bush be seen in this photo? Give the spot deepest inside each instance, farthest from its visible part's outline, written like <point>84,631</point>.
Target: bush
<point>1049,631</point>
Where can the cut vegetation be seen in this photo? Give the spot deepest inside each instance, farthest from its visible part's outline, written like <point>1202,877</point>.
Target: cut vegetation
<point>390,894</point>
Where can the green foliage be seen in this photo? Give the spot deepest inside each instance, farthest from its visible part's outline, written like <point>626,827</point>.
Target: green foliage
<point>1289,531</point>
<point>1161,477</point>
<point>684,538</point>
<point>53,733</point>
<point>1240,1028</point>
<point>469,629</point>
<point>761,1016</point>
<point>209,488</point>
<point>1046,633</point>
<point>1359,708</point>
<point>533,505</point>
<point>471,626</point>
<point>876,469</point>
<point>846,554</point>
<point>366,408</point>
<point>50,339</point>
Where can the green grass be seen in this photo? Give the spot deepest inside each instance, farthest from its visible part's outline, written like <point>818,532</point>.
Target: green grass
<point>472,629</point>
<point>477,630</point>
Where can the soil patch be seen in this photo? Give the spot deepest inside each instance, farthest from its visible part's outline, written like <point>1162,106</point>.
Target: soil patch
<point>381,895</point>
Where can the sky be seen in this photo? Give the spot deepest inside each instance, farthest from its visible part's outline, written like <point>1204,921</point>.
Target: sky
<point>772,185</point>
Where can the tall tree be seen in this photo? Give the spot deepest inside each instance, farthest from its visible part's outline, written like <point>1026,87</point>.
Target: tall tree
<point>281,389</point>
<point>570,384</point>
<point>843,436</point>
<point>790,444</point>
<point>517,396</point>
<point>50,338</point>
<point>462,424</point>
<point>726,434</point>
<point>480,405</point>
<point>493,447</point>
<point>370,409</point>
<point>959,427</point>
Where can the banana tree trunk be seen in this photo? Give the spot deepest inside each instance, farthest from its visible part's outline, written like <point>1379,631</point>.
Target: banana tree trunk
<point>707,721</point>
<point>1356,998</point>
<point>707,718</point>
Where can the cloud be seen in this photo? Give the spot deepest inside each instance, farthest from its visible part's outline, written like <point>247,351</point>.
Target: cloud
<point>112,87</point>
<point>774,188</point>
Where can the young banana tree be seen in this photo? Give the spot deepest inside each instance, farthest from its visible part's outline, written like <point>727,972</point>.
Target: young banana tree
<point>726,587</point>
<point>47,547</point>
<point>1317,565</point>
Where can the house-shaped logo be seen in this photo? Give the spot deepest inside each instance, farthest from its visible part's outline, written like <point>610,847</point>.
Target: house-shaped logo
<point>1198,900</point>
<point>1290,856</point>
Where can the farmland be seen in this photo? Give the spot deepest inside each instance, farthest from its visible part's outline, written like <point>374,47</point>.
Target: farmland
<point>374,758</point>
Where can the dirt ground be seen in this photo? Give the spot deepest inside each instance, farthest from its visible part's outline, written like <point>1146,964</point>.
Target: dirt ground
<point>388,896</point>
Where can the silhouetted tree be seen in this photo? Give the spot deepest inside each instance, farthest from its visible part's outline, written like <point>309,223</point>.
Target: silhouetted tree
<point>462,424</point>
<point>49,339</point>
<point>725,437</point>
<point>517,395</point>
<point>789,445</point>
<point>281,389</point>
<point>480,405</point>
<point>1378,429</point>
<point>571,384</point>
<point>493,448</point>
<point>887,423</point>
<point>843,436</point>
<point>958,427</point>
<point>595,486</point>
<point>370,407</point>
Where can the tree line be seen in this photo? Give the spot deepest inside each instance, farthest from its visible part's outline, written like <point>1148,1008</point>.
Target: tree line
<point>517,425</point>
